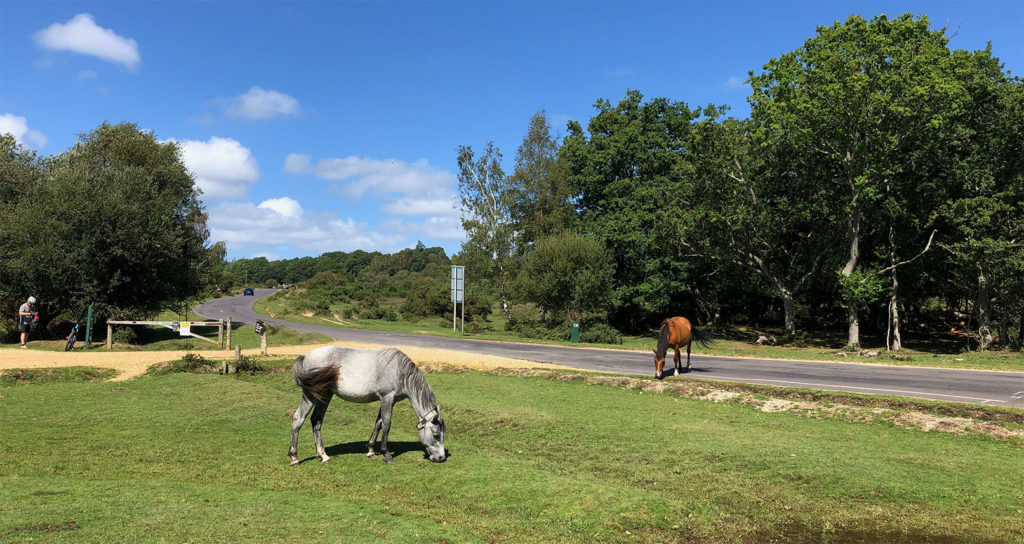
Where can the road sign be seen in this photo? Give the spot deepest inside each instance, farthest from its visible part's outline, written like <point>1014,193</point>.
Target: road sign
<point>458,284</point>
<point>261,328</point>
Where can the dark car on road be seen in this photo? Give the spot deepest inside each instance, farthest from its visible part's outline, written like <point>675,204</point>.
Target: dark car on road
<point>248,292</point>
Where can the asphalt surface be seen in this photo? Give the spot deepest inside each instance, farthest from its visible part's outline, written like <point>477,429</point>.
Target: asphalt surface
<point>968,386</point>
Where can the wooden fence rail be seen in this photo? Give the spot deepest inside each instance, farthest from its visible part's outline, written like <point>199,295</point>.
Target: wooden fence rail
<point>175,325</point>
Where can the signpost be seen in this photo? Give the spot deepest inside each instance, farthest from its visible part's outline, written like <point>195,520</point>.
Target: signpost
<point>261,329</point>
<point>459,294</point>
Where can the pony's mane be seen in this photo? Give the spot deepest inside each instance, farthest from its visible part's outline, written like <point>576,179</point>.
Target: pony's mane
<point>415,383</point>
<point>663,334</point>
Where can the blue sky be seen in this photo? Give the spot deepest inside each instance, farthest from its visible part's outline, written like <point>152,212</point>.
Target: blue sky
<point>333,126</point>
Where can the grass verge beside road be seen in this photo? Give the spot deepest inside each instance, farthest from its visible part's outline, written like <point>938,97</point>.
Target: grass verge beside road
<point>732,342</point>
<point>202,457</point>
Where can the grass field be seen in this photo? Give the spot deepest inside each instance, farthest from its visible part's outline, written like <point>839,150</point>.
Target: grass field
<point>734,342</point>
<point>202,458</point>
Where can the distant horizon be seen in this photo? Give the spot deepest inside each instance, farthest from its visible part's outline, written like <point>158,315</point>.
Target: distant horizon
<point>334,126</point>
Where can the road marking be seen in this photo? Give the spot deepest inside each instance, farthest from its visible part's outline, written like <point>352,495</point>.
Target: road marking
<point>858,388</point>
<point>1017,395</point>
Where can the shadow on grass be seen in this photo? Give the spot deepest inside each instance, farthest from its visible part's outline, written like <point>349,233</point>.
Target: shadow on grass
<point>359,448</point>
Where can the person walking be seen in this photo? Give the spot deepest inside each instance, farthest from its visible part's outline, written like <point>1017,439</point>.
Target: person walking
<point>27,314</point>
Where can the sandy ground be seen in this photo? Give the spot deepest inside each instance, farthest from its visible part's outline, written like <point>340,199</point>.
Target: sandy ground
<point>130,364</point>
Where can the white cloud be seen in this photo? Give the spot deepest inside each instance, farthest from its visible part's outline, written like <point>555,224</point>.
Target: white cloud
<point>420,206</point>
<point>82,35</point>
<point>87,74</point>
<point>260,103</point>
<point>223,167</point>
<point>18,127</point>
<point>298,164</point>
<point>736,82</point>
<point>281,226</point>
<point>362,175</point>
<point>284,206</point>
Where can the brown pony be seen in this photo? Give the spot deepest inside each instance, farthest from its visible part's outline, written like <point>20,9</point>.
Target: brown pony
<point>677,332</point>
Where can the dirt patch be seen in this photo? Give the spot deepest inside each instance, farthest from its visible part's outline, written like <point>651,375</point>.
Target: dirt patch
<point>130,364</point>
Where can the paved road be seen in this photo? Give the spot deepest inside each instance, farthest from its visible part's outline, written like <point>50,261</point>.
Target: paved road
<point>970,386</point>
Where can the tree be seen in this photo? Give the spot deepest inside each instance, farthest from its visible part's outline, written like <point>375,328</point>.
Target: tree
<point>115,221</point>
<point>983,223</point>
<point>855,99</point>
<point>568,274</point>
<point>629,178</point>
<point>762,211</point>
<point>541,204</point>
<point>486,195</point>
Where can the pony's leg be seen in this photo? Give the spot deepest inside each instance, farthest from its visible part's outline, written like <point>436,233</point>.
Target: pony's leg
<point>688,356</point>
<point>386,405</point>
<point>297,420</point>
<point>370,447</point>
<point>676,359</point>
<point>319,409</point>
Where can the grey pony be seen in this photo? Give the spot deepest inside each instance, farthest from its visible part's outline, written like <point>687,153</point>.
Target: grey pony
<point>365,375</point>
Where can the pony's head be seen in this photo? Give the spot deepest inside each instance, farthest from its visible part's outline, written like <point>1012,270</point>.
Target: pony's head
<point>431,429</point>
<point>659,363</point>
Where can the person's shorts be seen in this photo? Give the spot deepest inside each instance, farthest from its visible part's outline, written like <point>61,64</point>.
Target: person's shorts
<point>25,327</point>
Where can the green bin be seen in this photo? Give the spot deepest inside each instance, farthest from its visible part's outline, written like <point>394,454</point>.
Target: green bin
<point>575,336</point>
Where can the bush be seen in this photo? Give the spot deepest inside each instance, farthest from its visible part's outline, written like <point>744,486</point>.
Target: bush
<point>247,364</point>
<point>599,333</point>
<point>9,330</point>
<point>374,310</point>
<point>126,335</point>
<point>190,362</point>
<point>428,297</point>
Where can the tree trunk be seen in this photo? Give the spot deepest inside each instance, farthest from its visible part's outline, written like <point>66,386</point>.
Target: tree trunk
<point>984,307</point>
<point>893,342</point>
<point>853,331</point>
<point>501,292</point>
<point>789,310</point>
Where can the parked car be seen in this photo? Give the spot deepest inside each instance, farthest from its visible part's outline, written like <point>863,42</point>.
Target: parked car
<point>248,292</point>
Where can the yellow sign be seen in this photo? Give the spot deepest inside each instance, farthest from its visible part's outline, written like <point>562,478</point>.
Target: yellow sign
<point>183,328</point>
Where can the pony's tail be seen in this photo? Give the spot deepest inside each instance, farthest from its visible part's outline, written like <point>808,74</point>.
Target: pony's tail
<point>702,338</point>
<point>316,382</point>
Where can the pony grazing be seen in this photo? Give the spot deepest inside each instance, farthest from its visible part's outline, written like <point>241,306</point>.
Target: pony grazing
<point>676,332</point>
<point>365,375</point>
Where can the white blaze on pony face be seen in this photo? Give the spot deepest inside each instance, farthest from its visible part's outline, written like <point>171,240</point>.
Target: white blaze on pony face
<point>432,436</point>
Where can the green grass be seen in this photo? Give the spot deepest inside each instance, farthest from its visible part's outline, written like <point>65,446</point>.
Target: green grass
<point>730,342</point>
<point>202,458</point>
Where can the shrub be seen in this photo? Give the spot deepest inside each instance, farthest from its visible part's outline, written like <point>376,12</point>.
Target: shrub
<point>190,362</point>
<point>126,335</point>
<point>248,364</point>
<point>9,330</point>
<point>599,333</point>
<point>374,310</point>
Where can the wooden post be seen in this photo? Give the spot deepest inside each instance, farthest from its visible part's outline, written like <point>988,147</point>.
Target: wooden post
<point>220,334</point>
<point>110,336</point>
<point>228,344</point>
<point>238,353</point>
<point>263,344</point>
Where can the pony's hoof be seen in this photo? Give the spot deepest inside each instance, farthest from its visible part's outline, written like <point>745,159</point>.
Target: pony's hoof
<point>294,462</point>
<point>388,459</point>
<point>324,459</point>
<point>371,454</point>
